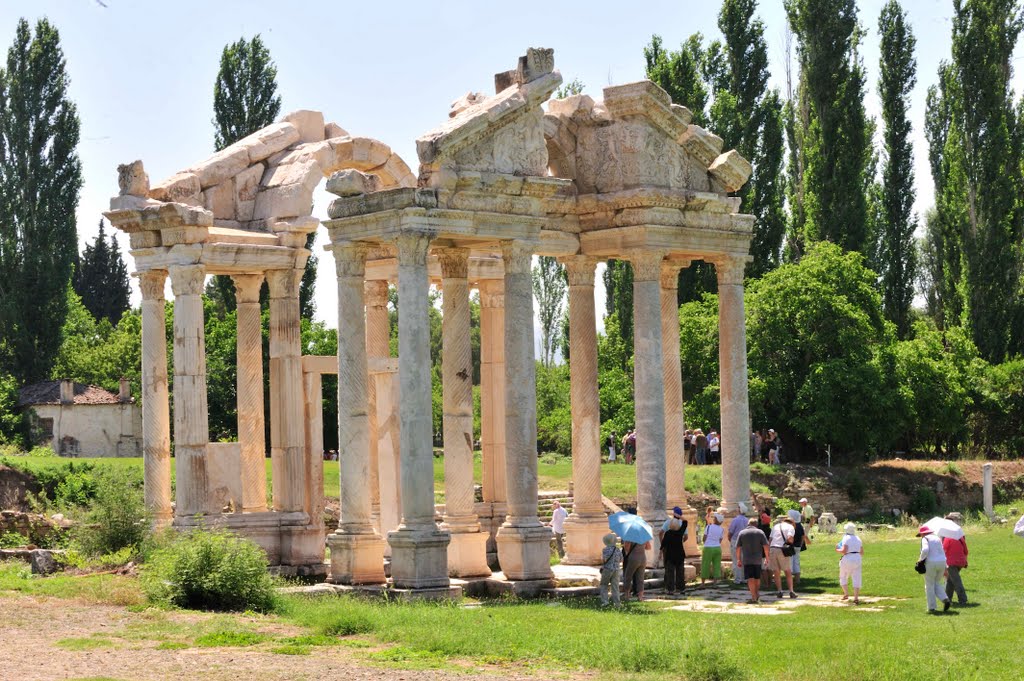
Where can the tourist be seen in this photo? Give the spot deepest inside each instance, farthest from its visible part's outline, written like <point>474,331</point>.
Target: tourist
<point>934,559</point>
<point>711,556</point>
<point>752,549</point>
<point>557,524</point>
<point>806,513</point>
<point>799,543</point>
<point>611,570</point>
<point>772,447</point>
<point>688,446</point>
<point>714,444</point>
<point>778,449</point>
<point>764,516</point>
<point>612,441</point>
<point>738,524</point>
<point>1018,529</point>
<point>755,446</point>
<point>629,446</point>
<point>780,546</point>
<point>852,548</point>
<point>956,560</point>
<point>702,447</point>
<point>693,447</point>
<point>672,537</point>
<point>634,559</point>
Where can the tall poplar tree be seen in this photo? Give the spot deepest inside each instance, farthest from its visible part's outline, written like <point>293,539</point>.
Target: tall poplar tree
<point>898,256</point>
<point>835,134</point>
<point>101,278</point>
<point>549,289</point>
<point>40,179</point>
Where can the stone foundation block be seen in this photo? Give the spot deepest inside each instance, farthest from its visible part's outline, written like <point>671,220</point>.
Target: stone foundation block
<point>524,552</point>
<point>467,555</point>
<point>583,540</point>
<point>356,558</point>
<point>419,558</point>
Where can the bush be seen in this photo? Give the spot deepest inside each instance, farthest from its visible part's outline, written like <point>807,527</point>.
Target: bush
<point>856,488</point>
<point>116,521</point>
<point>924,502</point>
<point>210,570</point>
<point>783,505</point>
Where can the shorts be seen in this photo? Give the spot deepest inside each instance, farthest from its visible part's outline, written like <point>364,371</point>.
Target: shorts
<point>752,571</point>
<point>778,562</point>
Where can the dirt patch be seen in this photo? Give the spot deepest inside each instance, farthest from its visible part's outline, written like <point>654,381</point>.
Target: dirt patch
<point>46,638</point>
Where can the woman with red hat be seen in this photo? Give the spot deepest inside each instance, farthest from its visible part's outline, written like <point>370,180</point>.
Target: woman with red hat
<point>934,559</point>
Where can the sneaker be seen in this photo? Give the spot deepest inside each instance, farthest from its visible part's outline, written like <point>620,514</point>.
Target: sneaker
<point>946,605</point>
<point>792,594</point>
<point>779,594</point>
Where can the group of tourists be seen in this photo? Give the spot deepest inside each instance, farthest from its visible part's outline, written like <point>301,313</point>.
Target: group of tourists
<point>626,446</point>
<point>940,561</point>
<point>700,448</point>
<point>766,446</point>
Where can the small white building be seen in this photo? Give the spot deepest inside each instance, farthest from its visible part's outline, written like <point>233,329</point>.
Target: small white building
<point>80,420</point>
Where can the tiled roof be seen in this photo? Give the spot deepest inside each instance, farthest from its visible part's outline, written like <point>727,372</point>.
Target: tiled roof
<point>48,392</point>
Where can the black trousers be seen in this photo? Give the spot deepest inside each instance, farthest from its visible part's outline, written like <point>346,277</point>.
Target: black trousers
<point>675,576</point>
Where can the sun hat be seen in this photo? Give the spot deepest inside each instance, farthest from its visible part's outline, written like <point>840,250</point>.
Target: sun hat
<point>793,515</point>
<point>677,511</point>
<point>784,517</point>
<point>923,530</point>
<point>743,508</point>
<point>849,528</point>
<point>609,539</point>
<point>803,500</point>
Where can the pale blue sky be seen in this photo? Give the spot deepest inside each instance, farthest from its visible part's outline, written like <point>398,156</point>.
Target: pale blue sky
<point>142,71</point>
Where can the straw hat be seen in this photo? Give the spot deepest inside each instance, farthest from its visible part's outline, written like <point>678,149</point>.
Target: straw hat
<point>849,528</point>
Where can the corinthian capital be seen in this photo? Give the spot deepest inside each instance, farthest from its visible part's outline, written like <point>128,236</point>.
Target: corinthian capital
<point>580,269</point>
<point>247,287</point>
<point>647,265</point>
<point>187,280</point>
<point>350,259</point>
<point>152,284</point>
<point>518,256</point>
<point>729,269</point>
<point>454,262</point>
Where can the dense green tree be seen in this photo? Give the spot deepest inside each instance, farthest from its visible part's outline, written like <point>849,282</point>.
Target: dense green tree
<point>614,379</point>
<point>618,301</point>
<point>12,428</point>
<point>245,96</point>
<point>101,278</point>
<point>549,290</point>
<point>897,77</point>
<point>40,179</point>
<point>680,73</point>
<point>835,134</point>
<point>96,352</point>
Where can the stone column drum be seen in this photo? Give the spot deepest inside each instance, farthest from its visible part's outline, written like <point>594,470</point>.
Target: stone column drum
<point>523,543</point>
<point>156,414</point>
<point>378,341</point>
<point>467,552</point>
<point>191,416</point>
<point>492,407</point>
<point>419,557</point>
<point>251,438</point>
<point>587,523</point>
<point>675,428</point>
<point>649,394</point>
<point>357,551</point>
<point>732,357</point>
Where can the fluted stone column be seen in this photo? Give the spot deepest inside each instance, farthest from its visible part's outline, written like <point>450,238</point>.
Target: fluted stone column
<point>732,357</point>
<point>191,417</point>
<point>251,439</point>
<point>649,392</point>
<point>287,434</point>
<point>523,543</point>
<point>467,552</point>
<point>492,408</point>
<point>419,557</point>
<point>675,428</point>
<point>587,523</point>
<point>378,338</point>
<point>156,419</point>
<point>357,551</point>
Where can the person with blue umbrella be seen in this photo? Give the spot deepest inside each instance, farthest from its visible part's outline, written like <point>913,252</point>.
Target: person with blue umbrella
<point>636,537</point>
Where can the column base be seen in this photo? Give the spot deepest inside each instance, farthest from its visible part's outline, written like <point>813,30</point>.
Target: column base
<point>655,520</point>
<point>302,544</point>
<point>467,555</point>
<point>356,558</point>
<point>524,552</point>
<point>583,539</point>
<point>690,545</point>
<point>419,558</point>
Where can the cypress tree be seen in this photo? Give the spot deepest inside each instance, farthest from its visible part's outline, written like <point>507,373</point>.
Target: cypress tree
<point>40,179</point>
<point>897,77</point>
<point>618,300</point>
<point>101,279</point>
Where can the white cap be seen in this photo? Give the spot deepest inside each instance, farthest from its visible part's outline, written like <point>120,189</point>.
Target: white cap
<point>803,500</point>
<point>743,508</point>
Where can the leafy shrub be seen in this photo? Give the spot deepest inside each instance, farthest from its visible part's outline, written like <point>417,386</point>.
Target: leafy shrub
<point>782,505</point>
<point>856,488</point>
<point>116,520</point>
<point>210,570</point>
<point>924,502</point>
<point>10,540</point>
<point>76,489</point>
<point>951,468</point>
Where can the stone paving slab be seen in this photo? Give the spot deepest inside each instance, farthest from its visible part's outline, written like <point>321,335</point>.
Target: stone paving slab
<point>734,601</point>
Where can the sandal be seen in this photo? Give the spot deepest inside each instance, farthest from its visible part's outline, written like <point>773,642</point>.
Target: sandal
<point>845,598</point>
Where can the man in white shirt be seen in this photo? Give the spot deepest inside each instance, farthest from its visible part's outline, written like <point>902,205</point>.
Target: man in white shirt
<point>558,516</point>
<point>782,535</point>
<point>715,446</point>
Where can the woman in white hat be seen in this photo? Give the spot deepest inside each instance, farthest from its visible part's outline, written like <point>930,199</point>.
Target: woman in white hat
<point>852,548</point>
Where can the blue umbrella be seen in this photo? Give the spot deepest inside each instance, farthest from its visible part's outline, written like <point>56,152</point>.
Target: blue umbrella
<point>631,528</point>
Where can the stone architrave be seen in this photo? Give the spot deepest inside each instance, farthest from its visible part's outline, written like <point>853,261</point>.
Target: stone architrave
<point>492,405</point>
<point>523,543</point>
<point>735,407</point>
<point>587,523</point>
<point>378,339</point>
<point>191,422</point>
<point>156,419</point>
<point>649,392</point>
<point>467,552</point>
<point>357,551</point>
<point>419,557</point>
<point>250,393</point>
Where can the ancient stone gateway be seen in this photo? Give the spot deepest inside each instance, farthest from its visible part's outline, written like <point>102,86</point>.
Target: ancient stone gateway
<point>629,177</point>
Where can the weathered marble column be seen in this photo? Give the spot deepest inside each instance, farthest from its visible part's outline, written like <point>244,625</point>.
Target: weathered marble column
<point>156,414</point>
<point>492,408</point>
<point>587,523</point>
<point>287,436</point>
<point>191,416</point>
<point>467,552</point>
<point>251,439</point>
<point>357,551</point>
<point>675,455</point>
<point>649,392</point>
<point>732,358</point>
<point>986,490</point>
<point>523,543</point>
<point>419,556</point>
<point>378,339</point>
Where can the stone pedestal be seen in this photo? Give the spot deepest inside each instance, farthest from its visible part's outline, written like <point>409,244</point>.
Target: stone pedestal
<point>732,357</point>
<point>156,419</point>
<point>356,558</point>
<point>523,543</point>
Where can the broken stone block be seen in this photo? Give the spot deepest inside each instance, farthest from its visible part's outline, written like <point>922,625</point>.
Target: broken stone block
<point>464,102</point>
<point>537,62</point>
<point>352,183</point>
<point>334,130</point>
<point>247,183</point>
<point>731,169</point>
<point>222,166</point>
<point>310,124</point>
<point>220,200</point>
<point>306,173</point>
<point>132,179</point>
<point>286,201</point>
<point>178,188</point>
<point>44,562</point>
<point>270,140</point>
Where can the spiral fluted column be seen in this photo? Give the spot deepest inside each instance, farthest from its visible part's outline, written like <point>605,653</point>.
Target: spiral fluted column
<point>251,438</point>
<point>735,405</point>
